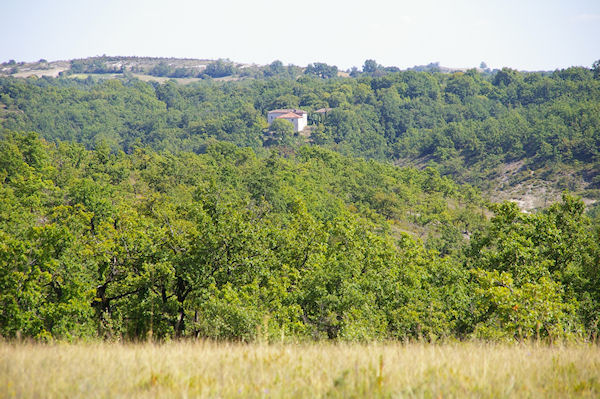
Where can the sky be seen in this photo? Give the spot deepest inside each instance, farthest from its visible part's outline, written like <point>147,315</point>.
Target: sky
<point>523,34</point>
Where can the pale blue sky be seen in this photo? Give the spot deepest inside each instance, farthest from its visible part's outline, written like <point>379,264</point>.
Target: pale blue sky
<point>524,34</point>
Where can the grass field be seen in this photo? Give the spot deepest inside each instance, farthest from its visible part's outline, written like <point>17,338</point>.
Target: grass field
<point>204,369</point>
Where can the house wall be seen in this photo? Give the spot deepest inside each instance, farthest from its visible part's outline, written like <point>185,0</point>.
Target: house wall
<point>294,122</point>
<point>271,116</point>
<point>299,123</point>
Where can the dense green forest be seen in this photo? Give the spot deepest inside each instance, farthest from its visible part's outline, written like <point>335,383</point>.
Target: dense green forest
<point>301,244</point>
<point>464,123</point>
<point>133,209</point>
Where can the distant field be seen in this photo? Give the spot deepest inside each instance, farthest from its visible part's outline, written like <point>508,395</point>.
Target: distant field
<point>53,72</point>
<point>212,370</point>
<point>145,78</point>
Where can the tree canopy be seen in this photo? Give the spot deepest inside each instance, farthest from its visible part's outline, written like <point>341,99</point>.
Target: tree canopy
<point>311,245</point>
<point>131,209</point>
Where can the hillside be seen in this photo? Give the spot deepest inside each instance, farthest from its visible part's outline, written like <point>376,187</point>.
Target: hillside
<point>158,69</point>
<point>87,237</point>
<point>162,68</point>
<point>521,136</point>
<point>133,209</point>
<point>97,65</point>
<point>306,244</point>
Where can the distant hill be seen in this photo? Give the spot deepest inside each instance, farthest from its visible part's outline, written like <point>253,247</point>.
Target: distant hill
<point>152,67</point>
<point>155,68</point>
<point>522,136</point>
<point>133,209</point>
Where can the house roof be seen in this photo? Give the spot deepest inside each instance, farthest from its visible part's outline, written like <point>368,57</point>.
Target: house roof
<point>289,115</point>
<point>322,110</point>
<point>286,111</point>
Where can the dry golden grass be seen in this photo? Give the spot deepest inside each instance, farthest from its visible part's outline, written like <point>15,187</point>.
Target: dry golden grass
<point>205,369</point>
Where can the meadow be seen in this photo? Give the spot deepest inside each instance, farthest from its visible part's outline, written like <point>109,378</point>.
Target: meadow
<point>229,370</point>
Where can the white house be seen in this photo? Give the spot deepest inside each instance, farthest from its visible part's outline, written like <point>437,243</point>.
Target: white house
<point>298,117</point>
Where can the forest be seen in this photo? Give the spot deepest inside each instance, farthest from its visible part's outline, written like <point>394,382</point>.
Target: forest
<point>463,123</point>
<point>135,210</point>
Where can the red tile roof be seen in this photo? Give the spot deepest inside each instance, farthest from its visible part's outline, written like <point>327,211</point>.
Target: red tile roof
<point>289,115</point>
<point>286,111</point>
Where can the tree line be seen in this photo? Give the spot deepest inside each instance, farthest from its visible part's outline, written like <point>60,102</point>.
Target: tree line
<point>297,244</point>
<point>463,123</point>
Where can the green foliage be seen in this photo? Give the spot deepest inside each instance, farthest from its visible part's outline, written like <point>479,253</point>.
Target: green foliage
<point>534,272</point>
<point>531,310</point>
<point>220,68</point>
<point>596,69</point>
<point>93,65</point>
<point>224,245</point>
<point>466,123</point>
<point>281,132</point>
<point>161,69</point>
<point>321,70</point>
<point>371,67</point>
<point>138,214</point>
